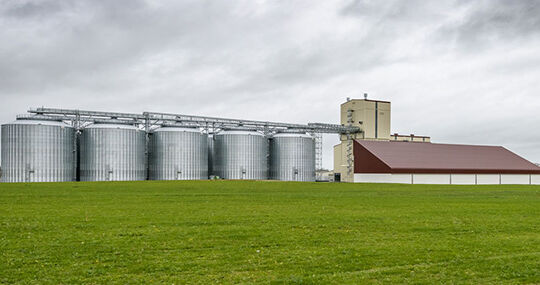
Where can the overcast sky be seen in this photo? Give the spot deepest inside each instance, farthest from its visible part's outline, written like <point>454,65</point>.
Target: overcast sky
<point>459,71</point>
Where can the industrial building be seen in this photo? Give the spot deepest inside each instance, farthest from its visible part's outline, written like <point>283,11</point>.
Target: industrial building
<point>51,145</point>
<point>377,156</point>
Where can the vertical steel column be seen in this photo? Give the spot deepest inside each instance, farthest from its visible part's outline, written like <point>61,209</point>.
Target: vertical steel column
<point>376,120</point>
<point>147,134</point>
<point>76,123</point>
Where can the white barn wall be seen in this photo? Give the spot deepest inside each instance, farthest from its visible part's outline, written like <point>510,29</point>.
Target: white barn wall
<point>382,178</point>
<point>535,179</point>
<point>431,179</point>
<point>515,179</point>
<point>487,179</point>
<point>454,179</point>
<point>463,179</point>
<point>402,178</point>
<point>373,177</point>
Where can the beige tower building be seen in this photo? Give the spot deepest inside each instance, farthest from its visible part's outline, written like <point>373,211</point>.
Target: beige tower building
<point>373,117</point>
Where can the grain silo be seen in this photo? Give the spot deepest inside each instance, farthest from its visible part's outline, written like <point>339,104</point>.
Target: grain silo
<point>292,157</point>
<point>37,149</point>
<point>241,154</point>
<point>178,153</point>
<point>112,152</point>
<point>211,155</point>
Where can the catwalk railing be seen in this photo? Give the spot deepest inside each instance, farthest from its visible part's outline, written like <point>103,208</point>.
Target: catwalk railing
<point>148,121</point>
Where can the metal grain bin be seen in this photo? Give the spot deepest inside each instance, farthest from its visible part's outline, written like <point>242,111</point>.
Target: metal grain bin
<point>210,155</point>
<point>112,152</point>
<point>292,157</point>
<point>178,153</point>
<point>38,151</point>
<point>241,155</point>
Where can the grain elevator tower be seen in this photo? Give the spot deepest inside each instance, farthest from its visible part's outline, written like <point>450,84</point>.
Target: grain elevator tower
<point>373,117</point>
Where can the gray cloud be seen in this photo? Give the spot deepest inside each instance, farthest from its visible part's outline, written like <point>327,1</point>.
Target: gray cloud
<point>489,22</point>
<point>483,25</point>
<point>31,10</point>
<point>464,72</point>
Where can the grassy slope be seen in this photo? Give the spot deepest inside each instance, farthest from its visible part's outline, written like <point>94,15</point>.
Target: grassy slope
<point>230,232</point>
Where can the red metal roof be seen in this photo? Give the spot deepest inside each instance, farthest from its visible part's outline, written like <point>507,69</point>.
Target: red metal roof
<point>419,157</point>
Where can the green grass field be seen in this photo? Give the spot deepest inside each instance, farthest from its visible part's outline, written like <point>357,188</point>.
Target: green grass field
<point>269,232</point>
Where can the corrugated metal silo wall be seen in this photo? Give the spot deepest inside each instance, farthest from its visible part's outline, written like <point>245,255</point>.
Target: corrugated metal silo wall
<point>109,154</point>
<point>177,155</point>
<point>149,149</point>
<point>292,158</point>
<point>241,156</point>
<point>211,155</point>
<point>37,153</point>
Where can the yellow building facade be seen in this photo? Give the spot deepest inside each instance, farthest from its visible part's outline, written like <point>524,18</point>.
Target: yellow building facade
<point>372,116</point>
